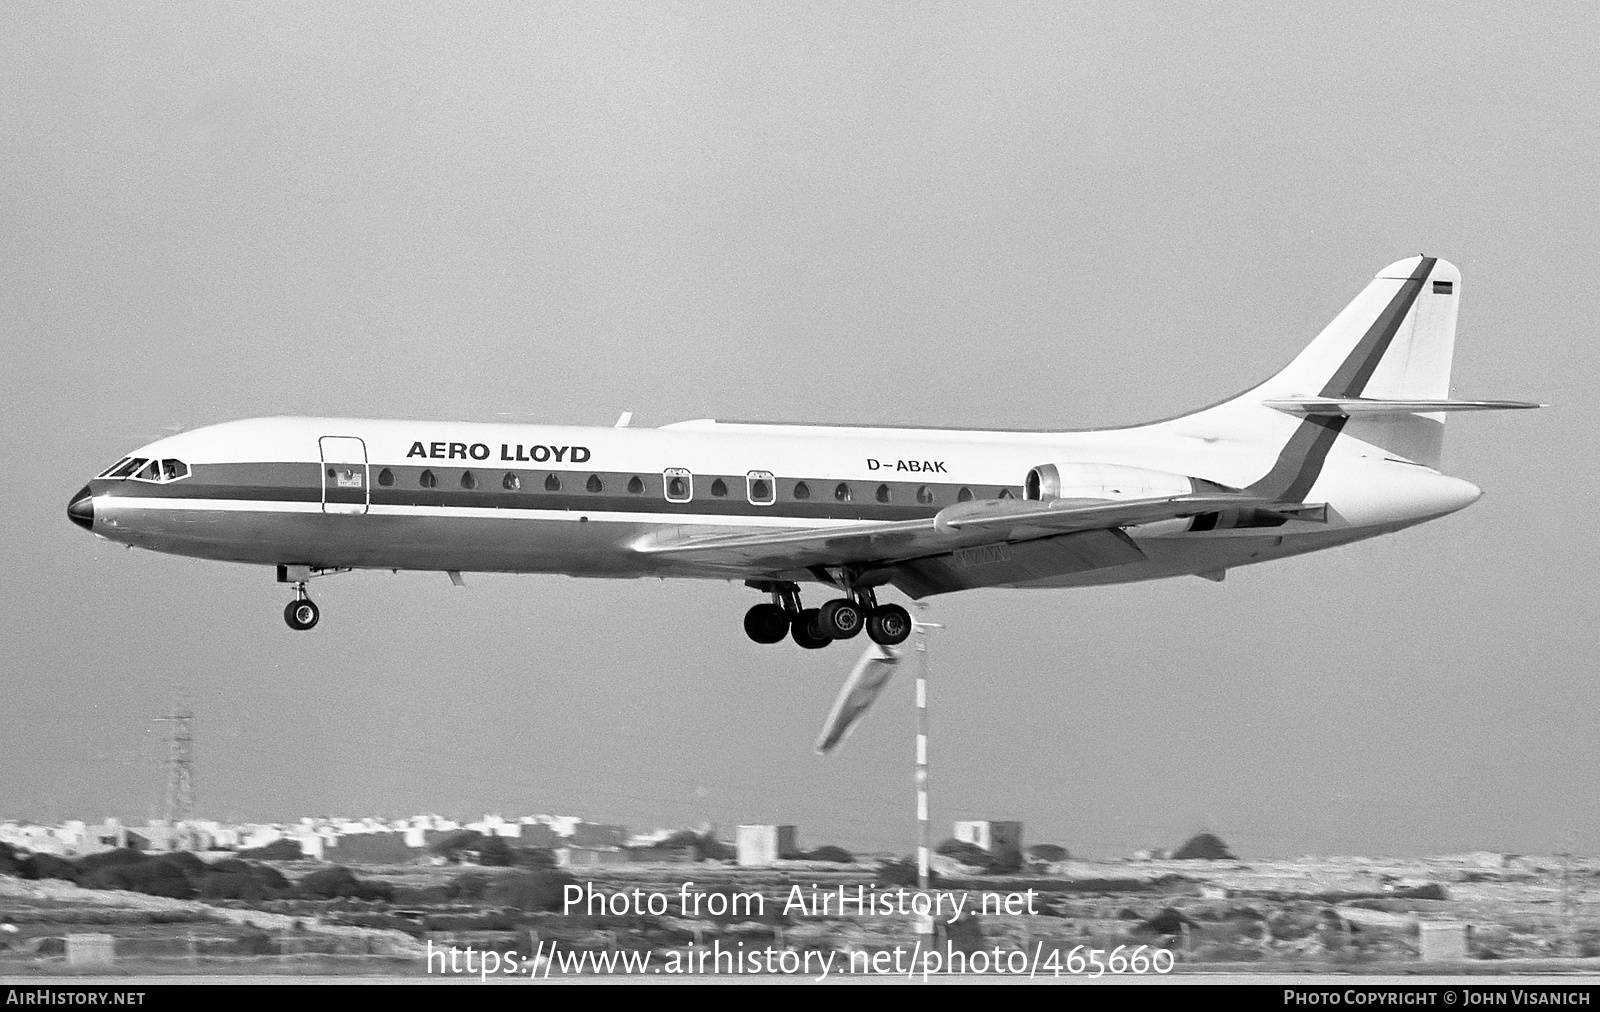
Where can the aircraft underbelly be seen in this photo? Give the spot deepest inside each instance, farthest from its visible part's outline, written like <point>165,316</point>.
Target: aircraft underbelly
<point>577,547</point>
<point>511,545</point>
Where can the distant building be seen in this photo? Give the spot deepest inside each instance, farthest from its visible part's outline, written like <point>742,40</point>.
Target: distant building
<point>108,835</point>
<point>598,834</point>
<point>1003,840</point>
<point>760,846</point>
<point>494,825</point>
<point>539,835</point>
<point>589,857</point>
<point>369,848</point>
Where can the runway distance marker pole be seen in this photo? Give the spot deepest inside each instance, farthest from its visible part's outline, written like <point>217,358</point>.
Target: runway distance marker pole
<point>921,626</point>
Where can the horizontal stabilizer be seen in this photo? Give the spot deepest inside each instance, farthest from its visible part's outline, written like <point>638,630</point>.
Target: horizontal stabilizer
<point>1368,406</point>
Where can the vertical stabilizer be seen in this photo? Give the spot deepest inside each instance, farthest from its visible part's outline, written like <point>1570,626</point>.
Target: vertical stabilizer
<point>1394,341</point>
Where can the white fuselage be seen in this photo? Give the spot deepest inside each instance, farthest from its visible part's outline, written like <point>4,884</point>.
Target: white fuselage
<point>452,496</point>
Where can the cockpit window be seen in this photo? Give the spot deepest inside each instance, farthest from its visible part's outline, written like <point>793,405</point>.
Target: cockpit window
<point>169,469</point>
<point>127,467</point>
<point>107,472</point>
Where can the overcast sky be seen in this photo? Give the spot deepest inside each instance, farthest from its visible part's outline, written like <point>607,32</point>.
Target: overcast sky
<point>988,214</point>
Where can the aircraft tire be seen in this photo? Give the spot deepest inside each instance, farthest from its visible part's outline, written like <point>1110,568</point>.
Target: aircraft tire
<point>889,625</point>
<point>805,633</point>
<point>840,619</point>
<point>766,623</point>
<point>301,615</point>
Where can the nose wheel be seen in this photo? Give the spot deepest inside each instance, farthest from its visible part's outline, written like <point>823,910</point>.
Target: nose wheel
<point>301,613</point>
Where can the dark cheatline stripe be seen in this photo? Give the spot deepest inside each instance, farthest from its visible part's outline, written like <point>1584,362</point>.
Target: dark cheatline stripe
<point>301,482</point>
<point>1300,461</point>
<point>1352,376</point>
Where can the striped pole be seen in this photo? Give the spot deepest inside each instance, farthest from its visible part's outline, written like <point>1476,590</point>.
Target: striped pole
<point>923,832</point>
<point>924,924</point>
<point>922,754</point>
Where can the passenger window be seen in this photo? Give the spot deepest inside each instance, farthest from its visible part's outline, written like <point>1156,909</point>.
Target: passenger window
<point>679,484</point>
<point>925,495</point>
<point>1005,493</point>
<point>107,472</point>
<point>172,470</point>
<point>511,483</point>
<point>802,490</point>
<point>883,494</point>
<point>594,483</point>
<point>719,488</point>
<point>552,483</point>
<point>841,492</point>
<point>467,480</point>
<point>635,486</point>
<point>129,466</point>
<point>151,471</point>
<point>386,477</point>
<point>965,495</point>
<point>759,487</point>
<point>427,480</point>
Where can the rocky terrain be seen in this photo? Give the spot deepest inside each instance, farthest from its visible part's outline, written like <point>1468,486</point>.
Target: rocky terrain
<point>1336,915</point>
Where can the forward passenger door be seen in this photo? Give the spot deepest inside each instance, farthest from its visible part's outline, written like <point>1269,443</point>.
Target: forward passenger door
<point>345,475</point>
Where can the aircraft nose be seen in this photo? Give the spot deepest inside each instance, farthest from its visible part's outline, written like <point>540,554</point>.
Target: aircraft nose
<point>81,509</point>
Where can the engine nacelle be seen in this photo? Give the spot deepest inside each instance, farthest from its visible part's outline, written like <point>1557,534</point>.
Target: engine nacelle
<point>1073,480</point>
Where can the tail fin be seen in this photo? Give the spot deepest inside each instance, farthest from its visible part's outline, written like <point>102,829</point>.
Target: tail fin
<point>1394,341</point>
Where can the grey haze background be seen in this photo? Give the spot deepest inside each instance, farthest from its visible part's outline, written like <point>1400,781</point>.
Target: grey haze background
<point>998,215</point>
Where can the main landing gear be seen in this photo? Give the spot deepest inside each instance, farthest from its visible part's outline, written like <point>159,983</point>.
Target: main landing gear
<point>814,628</point>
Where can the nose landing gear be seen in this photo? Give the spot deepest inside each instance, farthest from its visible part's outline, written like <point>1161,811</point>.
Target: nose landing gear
<point>301,613</point>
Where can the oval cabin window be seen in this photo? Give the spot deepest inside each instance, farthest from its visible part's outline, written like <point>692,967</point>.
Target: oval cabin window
<point>882,495</point>
<point>511,483</point>
<point>467,480</point>
<point>965,495</point>
<point>386,477</point>
<point>635,486</point>
<point>719,488</point>
<point>841,492</point>
<point>552,483</point>
<point>427,480</point>
<point>925,495</point>
<point>594,483</point>
<point>802,490</point>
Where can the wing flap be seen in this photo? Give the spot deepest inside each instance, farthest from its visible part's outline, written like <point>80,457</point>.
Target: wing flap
<point>964,525</point>
<point>1007,562</point>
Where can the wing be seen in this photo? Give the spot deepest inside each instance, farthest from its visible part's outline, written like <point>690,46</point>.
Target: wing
<point>962,526</point>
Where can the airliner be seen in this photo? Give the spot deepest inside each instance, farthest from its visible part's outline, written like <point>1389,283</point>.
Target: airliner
<point>1343,444</point>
